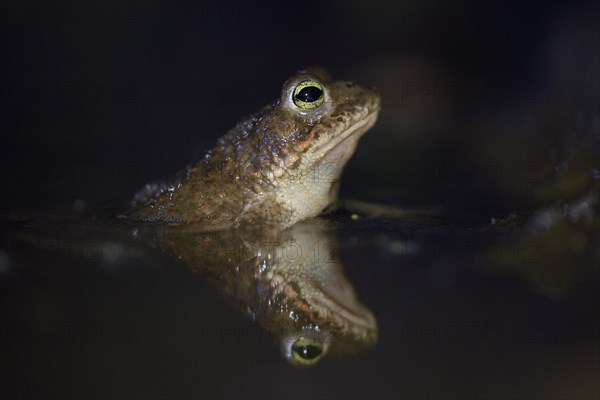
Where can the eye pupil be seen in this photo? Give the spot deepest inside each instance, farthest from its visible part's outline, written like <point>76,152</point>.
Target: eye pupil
<point>309,94</point>
<point>307,352</point>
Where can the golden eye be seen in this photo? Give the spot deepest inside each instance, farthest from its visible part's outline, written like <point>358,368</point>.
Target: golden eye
<point>307,351</point>
<point>308,94</point>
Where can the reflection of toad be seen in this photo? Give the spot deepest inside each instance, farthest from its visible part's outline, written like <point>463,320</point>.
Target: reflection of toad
<point>290,281</point>
<point>278,166</point>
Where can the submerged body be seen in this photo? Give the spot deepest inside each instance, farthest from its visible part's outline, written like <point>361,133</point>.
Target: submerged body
<point>277,167</point>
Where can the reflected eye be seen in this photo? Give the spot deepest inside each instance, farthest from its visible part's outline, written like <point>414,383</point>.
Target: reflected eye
<point>307,351</point>
<point>308,94</point>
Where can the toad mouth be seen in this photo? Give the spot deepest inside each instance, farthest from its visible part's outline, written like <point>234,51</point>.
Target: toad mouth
<point>354,131</point>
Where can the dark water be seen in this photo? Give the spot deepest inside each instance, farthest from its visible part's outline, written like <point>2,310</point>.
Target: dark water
<point>463,310</point>
<point>489,133</point>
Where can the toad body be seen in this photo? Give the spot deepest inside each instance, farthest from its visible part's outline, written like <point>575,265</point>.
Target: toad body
<point>276,167</point>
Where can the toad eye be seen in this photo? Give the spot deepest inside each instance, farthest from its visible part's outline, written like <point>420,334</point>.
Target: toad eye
<point>308,94</point>
<point>307,351</point>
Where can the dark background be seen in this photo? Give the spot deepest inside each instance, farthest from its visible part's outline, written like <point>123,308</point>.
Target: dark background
<point>481,102</point>
<point>488,108</point>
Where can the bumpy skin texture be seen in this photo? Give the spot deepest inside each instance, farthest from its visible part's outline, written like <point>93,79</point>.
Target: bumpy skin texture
<point>278,166</point>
